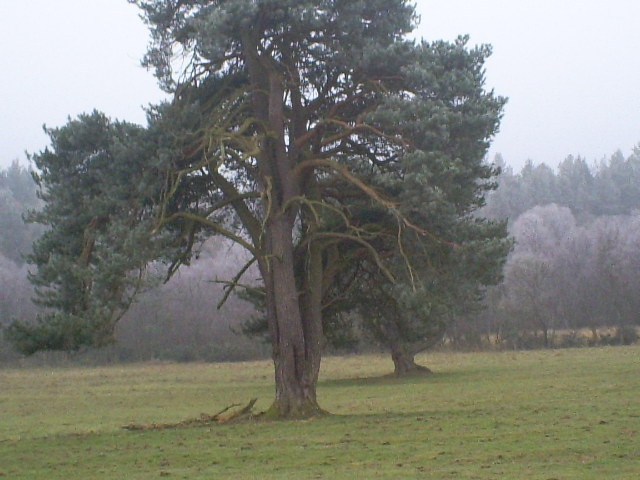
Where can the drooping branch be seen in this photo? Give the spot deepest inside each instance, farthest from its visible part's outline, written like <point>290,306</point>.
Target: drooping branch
<point>207,222</point>
<point>359,127</point>
<point>370,248</point>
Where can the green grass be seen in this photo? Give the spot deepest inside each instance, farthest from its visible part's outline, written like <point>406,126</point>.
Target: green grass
<point>561,414</point>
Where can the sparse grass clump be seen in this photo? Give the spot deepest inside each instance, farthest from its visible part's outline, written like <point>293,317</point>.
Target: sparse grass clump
<point>563,414</point>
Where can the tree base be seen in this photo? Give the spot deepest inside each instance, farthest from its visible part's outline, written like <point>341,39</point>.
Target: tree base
<point>406,369</point>
<point>281,410</point>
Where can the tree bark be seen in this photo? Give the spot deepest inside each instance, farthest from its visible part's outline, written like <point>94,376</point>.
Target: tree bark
<point>293,314</point>
<point>403,353</point>
<point>295,331</point>
<point>404,361</point>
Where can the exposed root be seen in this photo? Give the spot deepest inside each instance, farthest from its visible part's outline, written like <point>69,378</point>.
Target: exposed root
<point>204,419</point>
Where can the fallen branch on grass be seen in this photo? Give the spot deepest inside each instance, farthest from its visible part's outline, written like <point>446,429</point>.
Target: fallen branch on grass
<point>203,419</point>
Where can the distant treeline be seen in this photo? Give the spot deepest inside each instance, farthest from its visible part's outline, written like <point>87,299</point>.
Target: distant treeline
<point>609,187</point>
<point>575,266</point>
<point>17,197</point>
<point>576,260</point>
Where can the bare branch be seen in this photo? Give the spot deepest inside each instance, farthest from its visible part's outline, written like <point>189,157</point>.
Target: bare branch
<point>230,286</point>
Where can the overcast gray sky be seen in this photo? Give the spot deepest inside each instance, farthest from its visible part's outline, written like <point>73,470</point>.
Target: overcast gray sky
<point>569,67</point>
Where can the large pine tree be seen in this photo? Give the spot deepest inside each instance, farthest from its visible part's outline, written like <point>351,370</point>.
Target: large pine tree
<point>314,134</point>
<point>310,115</point>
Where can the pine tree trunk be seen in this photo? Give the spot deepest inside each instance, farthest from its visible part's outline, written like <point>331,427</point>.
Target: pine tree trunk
<point>295,331</point>
<point>294,318</point>
<point>403,353</point>
<point>404,362</point>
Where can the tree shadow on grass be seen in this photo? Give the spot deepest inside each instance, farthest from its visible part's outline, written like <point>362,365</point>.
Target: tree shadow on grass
<point>393,379</point>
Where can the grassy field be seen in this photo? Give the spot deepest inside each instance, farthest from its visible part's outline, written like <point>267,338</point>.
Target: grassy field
<point>561,414</point>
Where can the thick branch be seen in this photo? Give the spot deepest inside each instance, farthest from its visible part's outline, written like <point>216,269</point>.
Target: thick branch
<point>248,219</point>
<point>213,225</point>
